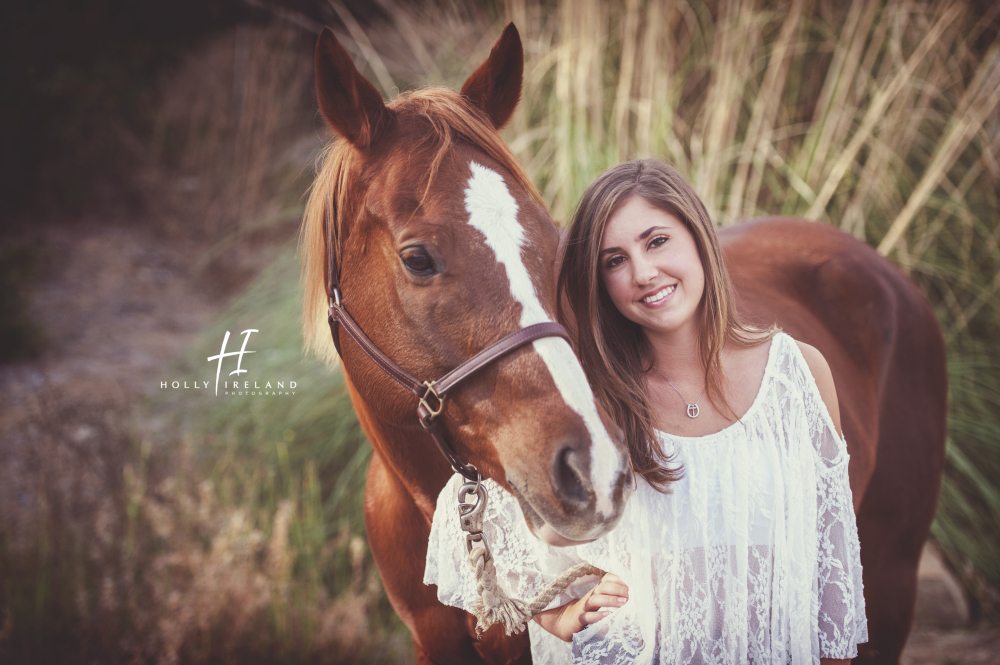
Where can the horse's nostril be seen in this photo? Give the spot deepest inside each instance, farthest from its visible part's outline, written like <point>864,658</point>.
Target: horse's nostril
<point>570,474</point>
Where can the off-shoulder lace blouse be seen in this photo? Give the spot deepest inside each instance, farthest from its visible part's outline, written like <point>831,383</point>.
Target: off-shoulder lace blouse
<point>752,557</point>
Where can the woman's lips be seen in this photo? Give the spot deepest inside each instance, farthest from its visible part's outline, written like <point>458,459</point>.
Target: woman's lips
<point>658,297</point>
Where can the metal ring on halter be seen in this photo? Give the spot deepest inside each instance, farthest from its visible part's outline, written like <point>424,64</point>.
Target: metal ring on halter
<point>335,298</point>
<point>472,487</point>
<point>472,538</point>
<point>465,470</point>
<point>432,412</point>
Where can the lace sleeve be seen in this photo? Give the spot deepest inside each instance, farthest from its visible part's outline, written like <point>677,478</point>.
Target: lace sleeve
<point>614,640</point>
<point>524,564</point>
<point>841,613</point>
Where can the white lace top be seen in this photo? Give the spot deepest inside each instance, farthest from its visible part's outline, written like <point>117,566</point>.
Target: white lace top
<point>753,557</point>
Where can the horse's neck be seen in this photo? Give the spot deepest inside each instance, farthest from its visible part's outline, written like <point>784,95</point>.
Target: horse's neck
<point>408,453</point>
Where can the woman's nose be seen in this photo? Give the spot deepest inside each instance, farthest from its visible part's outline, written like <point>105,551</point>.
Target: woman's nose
<point>643,271</point>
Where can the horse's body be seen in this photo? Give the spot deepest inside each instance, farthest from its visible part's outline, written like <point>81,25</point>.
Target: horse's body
<point>443,249</point>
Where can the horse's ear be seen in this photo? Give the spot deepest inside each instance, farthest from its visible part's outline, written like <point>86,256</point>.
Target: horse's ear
<point>496,86</point>
<point>349,103</point>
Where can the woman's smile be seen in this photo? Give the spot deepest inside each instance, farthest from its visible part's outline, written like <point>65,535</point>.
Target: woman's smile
<point>660,296</point>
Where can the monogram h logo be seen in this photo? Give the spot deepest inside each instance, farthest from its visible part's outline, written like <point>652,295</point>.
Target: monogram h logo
<point>239,361</point>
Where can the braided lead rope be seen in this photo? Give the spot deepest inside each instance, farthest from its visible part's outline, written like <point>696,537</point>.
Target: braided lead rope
<point>492,604</point>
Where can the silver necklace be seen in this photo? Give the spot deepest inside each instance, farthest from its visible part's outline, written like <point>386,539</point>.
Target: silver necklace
<point>692,409</point>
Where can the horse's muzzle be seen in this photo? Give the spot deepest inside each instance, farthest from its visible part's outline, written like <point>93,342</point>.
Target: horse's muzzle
<point>569,509</point>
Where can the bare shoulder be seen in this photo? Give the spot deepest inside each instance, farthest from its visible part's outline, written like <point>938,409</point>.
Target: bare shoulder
<point>824,380</point>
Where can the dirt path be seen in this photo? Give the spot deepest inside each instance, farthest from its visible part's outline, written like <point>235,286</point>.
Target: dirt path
<point>941,635</point>
<point>119,304</point>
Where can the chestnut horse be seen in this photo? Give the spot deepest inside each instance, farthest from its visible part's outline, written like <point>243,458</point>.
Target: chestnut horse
<point>443,247</point>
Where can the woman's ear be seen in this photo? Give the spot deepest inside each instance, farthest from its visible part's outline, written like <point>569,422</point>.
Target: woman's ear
<point>496,86</point>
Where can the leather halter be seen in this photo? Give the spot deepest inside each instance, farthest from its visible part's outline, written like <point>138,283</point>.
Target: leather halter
<point>431,394</point>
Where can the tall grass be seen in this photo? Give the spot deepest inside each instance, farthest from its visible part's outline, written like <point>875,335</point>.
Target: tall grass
<point>217,161</point>
<point>238,531</point>
<point>279,500</point>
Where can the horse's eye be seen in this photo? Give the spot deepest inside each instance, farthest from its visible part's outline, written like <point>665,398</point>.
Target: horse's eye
<point>418,261</point>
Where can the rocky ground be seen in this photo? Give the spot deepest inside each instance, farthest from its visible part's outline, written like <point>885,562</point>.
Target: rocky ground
<point>118,304</point>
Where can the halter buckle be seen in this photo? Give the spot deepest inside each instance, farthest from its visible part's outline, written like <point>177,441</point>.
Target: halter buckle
<point>335,298</point>
<point>431,393</point>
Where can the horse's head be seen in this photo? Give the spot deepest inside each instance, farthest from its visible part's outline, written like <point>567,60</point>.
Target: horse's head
<point>443,248</point>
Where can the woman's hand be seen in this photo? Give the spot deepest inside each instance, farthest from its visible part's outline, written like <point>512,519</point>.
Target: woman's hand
<point>611,592</point>
<point>571,618</point>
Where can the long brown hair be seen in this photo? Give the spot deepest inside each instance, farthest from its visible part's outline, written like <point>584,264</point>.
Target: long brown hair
<point>614,351</point>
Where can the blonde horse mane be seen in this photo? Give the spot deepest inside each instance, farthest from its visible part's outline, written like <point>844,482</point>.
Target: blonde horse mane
<point>451,117</point>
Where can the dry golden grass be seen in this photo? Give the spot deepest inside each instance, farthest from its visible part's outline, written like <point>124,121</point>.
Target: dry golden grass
<point>235,541</point>
<point>132,554</point>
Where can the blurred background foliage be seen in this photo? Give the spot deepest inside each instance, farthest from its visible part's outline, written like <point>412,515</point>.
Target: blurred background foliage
<point>235,533</point>
<point>78,82</point>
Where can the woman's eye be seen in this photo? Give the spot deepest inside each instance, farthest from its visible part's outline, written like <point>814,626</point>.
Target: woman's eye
<point>614,262</point>
<point>657,241</point>
<point>418,261</point>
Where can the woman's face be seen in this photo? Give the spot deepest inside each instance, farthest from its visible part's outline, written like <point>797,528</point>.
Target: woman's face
<point>650,267</point>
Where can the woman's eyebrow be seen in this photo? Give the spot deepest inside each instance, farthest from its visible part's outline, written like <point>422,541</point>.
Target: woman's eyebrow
<point>645,234</point>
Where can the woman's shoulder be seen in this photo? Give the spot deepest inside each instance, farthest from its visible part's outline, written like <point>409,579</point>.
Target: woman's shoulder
<point>818,366</point>
<point>783,346</point>
<point>822,375</point>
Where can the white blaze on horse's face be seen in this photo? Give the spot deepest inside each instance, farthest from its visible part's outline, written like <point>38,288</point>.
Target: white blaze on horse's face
<point>493,212</point>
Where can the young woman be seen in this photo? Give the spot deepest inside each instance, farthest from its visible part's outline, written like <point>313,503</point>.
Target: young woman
<point>739,544</point>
